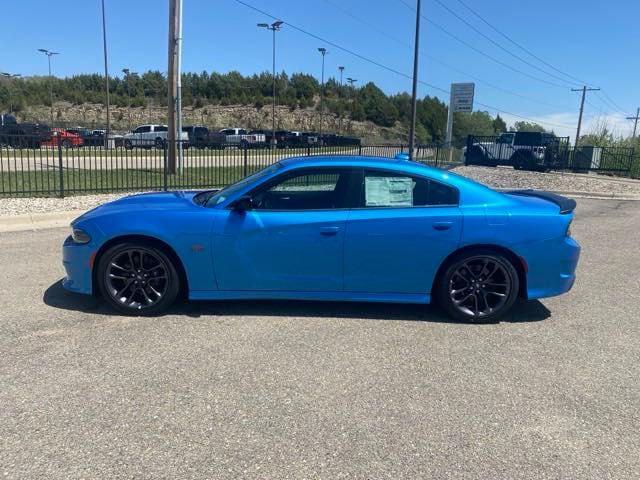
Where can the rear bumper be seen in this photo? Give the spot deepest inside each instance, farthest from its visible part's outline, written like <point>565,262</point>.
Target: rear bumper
<point>551,266</point>
<point>76,260</point>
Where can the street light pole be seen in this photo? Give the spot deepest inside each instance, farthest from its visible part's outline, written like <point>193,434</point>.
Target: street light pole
<point>341,68</point>
<point>106,76</point>
<point>10,76</point>
<point>414,92</point>
<point>49,54</point>
<point>274,27</point>
<point>323,51</point>
<point>351,82</point>
<point>127,73</point>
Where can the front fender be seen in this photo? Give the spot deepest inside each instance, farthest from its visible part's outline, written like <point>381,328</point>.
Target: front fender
<point>187,235</point>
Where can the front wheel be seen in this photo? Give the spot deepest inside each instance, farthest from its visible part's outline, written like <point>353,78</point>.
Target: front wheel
<point>478,287</point>
<point>138,279</point>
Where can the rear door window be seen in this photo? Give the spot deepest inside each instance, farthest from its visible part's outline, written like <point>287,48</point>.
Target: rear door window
<point>383,189</point>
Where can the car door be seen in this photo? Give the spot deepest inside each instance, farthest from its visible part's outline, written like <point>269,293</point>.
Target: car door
<point>291,239</point>
<point>405,226</point>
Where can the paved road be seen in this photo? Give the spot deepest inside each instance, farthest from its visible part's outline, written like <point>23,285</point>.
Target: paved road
<point>311,390</point>
<point>140,159</point>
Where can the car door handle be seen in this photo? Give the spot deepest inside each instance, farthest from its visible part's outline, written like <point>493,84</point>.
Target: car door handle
<point>329,231</point>
<point>442,225</point>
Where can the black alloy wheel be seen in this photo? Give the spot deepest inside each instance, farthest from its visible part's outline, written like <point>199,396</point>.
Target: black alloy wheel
<point>480,287</point>
<point>138,279</point>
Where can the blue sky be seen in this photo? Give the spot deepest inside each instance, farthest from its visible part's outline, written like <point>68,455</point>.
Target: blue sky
<point>592,41</point>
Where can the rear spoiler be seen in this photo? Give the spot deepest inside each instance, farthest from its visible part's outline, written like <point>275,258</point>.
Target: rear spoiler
<point>567,205</point>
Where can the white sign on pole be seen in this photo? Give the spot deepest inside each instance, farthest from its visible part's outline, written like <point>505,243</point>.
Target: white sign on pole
<point>462,97</point>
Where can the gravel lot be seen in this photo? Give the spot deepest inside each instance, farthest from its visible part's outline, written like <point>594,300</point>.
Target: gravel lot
<point>323,390</point>
<point>507,177</point>
<point>494,177</point>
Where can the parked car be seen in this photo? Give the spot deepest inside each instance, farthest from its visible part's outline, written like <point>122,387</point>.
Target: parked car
<point>90,138</point>
<point>22,135</point>
<point>201,137</point>
<point>148,136</point>
<point>522,150</point>
<point>336,228</point>
<point>242,138</point>
<point>60,136</point>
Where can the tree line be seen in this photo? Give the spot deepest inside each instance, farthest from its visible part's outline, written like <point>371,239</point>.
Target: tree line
<point>299,90</point>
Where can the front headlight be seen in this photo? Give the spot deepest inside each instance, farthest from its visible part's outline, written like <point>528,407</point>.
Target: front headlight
<point>80,236</point>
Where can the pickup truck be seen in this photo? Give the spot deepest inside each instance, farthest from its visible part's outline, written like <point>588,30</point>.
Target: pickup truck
<point>147,136</point>
<point>522,150</point>
<point>242,138</point>
<point>201,137</point>
<point>22,135</point>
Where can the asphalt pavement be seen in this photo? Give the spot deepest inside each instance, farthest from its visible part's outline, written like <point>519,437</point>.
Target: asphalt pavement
<point>323,390</point>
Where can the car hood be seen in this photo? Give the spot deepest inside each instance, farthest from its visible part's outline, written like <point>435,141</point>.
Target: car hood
<point>165,201</point>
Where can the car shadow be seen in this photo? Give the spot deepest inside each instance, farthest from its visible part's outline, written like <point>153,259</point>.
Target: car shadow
<point>57,297</point>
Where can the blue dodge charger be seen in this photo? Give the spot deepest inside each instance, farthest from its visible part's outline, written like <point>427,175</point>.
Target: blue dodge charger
<point>329,228</point>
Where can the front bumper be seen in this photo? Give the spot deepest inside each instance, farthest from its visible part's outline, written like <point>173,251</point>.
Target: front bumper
<point>551,266</point>
<point>77,262</point>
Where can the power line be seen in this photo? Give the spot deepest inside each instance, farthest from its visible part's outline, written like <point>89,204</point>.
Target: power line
<point>386,67</point>
<point>439,61</point>
<point>486,22</point>
<point>602,96</point>
<point>487,37</point>
<point>477,50</point>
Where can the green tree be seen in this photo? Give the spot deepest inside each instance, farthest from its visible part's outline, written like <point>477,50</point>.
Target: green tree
<point>499,125</point>
<point>524,126</point>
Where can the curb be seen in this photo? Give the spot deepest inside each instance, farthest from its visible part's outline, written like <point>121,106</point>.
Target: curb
<point>37,221</point>
<point>598,195</point>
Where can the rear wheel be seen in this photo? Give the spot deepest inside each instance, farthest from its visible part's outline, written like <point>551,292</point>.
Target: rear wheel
<point>138,279</point>
<point>128,145</point>
<point>475,156</point>
<point>479,286</point>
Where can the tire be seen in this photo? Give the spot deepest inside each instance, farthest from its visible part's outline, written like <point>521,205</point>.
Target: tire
<point>159,143</point>
<point>524,161</point>
<point>468,271</point>
<point>66,143</point>
<point>475,156</point>
<point>131,274</point>
<point>128,145</point>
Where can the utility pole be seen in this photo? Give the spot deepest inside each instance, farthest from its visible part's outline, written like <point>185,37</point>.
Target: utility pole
<point>49,54</point>
<point>179,87</point>
<point>584,91</point>
<point>341,68</point>
<point>274,27</point>
<point>106,76</point>
<point>323,51</point>
<point>10,76</point>
<point>172,88</point>
<point>414,91</point>
<point>635,122</point>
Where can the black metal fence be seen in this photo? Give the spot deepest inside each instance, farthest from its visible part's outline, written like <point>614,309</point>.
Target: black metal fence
<point>53,169</point>
<point>547,152</point>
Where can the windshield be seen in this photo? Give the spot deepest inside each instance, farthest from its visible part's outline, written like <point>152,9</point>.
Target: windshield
<point>226,192</point>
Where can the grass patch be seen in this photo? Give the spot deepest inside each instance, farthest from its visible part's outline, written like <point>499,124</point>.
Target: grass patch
<point>47,182</point>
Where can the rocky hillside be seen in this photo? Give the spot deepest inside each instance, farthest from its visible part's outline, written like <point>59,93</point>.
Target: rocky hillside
<point>216,116</point>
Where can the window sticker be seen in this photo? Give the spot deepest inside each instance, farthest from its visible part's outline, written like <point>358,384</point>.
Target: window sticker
<point>388,191</point>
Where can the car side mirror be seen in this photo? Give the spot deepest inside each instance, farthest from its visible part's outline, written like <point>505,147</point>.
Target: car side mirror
<point>243,203</point>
